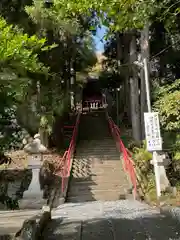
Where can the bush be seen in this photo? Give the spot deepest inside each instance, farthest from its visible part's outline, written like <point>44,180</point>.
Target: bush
<point>144,169</point>
<point>169,110</point>
<point>141,156</point>
<point>167,101</point>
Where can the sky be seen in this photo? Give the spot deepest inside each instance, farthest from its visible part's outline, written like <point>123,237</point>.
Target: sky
<point>97,39</point>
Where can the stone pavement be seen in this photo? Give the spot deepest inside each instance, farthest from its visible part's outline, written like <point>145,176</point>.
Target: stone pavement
<point>115,220</point>
<point>11,221</point>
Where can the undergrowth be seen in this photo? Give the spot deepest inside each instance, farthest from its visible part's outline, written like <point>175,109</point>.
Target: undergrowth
<point>146,177</point>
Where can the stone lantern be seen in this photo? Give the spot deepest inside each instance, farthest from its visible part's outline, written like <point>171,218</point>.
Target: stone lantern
<point>33,197</point>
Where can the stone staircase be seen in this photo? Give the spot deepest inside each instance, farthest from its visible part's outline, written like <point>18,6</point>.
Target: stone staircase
<point>97,172</point>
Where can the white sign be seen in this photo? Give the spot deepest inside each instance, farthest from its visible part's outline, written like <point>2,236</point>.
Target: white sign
<point>152,131</point>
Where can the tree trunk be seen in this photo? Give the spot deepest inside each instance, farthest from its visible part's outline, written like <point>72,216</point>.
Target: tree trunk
<point>126,89</point>
<point>144,43</point>
<point>134,93</point>
<point>57,133</point>
<point>135,113</point>
<point>142,102</point>
<point>119,96</point>
<point>44,136</point>
<point>127,106</point>
<point>119,50</point>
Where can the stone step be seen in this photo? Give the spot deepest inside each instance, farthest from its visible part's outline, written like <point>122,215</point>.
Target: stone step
<point>100,197</point>
<point>89,181</point>
<point>95,187</point>
<point>98,178</point>
<point>106,175</point>
<point>95,177</point>
<point>99,185</point>
<point>104,144</point>
<point>92,152</point>
<point>105,162</point>
<point>99,192</point>
<point>97,162</point>
<point>99,158</point>
<point>96,171</point>
<point>93,148</point>
<point>105,139</point>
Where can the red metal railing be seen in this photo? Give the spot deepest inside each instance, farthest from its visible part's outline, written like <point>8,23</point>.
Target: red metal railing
<point>68,155</point>
<point>128,163</point>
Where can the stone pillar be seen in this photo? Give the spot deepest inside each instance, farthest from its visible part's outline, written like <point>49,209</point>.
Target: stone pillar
<point>33,196</point>
<point>163,161</point>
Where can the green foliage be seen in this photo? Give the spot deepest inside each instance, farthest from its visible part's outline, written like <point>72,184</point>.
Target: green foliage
<point>69,32</point>
<point>144,171</point>
<point>167,105</point>
<point>27,60</point>
<point>159,91</point>
<point>18,49</point>
<point>141,154</point>
<point>172,143</point>
<point>74,49</point>
<point>18,57</point>
<point>52,18</point>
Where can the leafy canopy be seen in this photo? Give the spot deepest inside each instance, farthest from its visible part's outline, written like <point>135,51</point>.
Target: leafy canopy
<point>17,50</point>
<point>117,15</point>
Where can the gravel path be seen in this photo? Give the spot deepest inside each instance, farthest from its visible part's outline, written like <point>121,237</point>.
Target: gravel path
<point>124,219</point>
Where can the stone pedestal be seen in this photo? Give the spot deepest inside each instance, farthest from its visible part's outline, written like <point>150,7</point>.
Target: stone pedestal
<point>33,197</point>
<point>162,162</point>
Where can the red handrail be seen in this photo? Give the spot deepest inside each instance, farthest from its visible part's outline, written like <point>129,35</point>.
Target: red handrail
<point>68,154</point>
<point>128,163</point>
